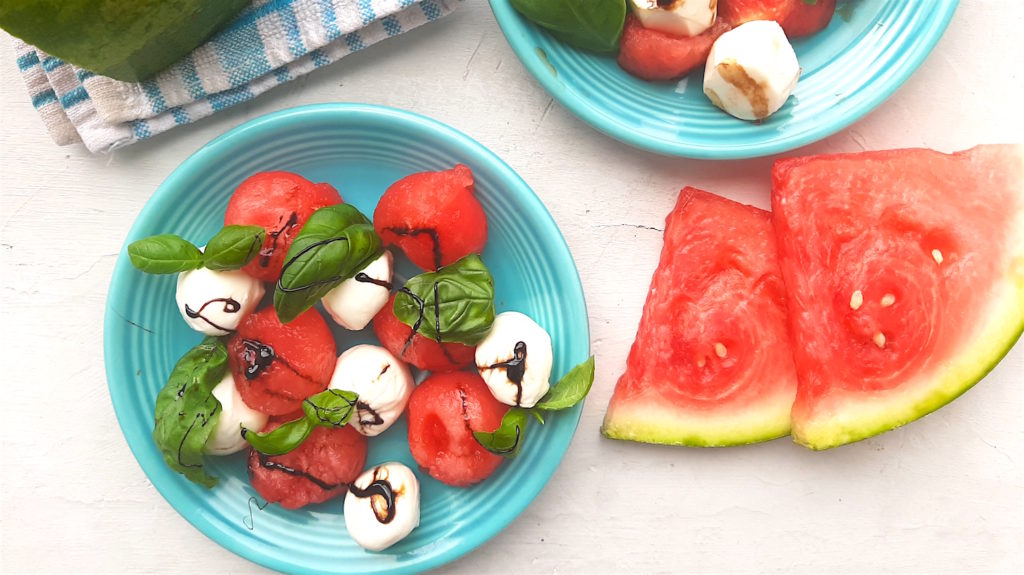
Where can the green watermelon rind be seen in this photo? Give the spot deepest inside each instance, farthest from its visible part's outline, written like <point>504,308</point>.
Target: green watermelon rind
<point>686,428</point>
<point>1002,328</point>
<point>952,384</point>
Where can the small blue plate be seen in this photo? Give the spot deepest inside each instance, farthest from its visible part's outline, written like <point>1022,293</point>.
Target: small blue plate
<point>360,150</point>
<point>870,48</point>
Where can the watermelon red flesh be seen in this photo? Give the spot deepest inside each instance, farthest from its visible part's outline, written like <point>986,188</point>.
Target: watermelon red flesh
<point>934,244</point>
<point>806,19</point>
<point>653,55</point>
<point>415,349</point>
<point>736,12</point>
<point>433,217</point>
<point>281,202</point>
<point>319,469</point>
<point>711,364</point>
<point>444,411</point>
<point>275,366</point>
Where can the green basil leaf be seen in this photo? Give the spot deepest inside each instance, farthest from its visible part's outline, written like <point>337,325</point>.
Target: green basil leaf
<point>186,411</point>
<point>508,438</point>
<point>571,389</point>
<point>164,254</point>
<point>233,247</point>
<point>281,440</point>
<point>588,24</point>
<point>334,244</point>
<point>453,304</point>
<point>331,408</point>
<point>536,415</point>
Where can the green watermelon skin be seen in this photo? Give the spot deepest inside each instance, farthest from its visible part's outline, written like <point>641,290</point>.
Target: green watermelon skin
<point>129,40</point>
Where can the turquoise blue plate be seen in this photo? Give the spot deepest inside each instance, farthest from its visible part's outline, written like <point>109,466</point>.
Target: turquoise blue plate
<point>360,150</point>
<point>870,48</point>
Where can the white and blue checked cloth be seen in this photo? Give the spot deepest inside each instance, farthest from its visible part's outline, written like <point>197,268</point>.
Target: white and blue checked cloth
<point>269,43</point>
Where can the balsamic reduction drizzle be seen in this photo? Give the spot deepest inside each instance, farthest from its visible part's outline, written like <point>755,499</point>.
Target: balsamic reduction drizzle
<point>268,252</point>
<point>515,368</point>
<point>230,306</point>
<point>257,356</point>
<point>364,409</point>
<point>513,446</point>
<point>378,488</point>
<point>361,277</point>
<point>419,321</point>
<point>250,525</point>
<point>465,409</point>
<point>288,264</point>
<point>417,231</point>
<point>266,463</point>
<point>204,418</point>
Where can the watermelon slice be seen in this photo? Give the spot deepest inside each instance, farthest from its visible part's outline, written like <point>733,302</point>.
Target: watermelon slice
<point>711,364</point>
<point>905,276</point>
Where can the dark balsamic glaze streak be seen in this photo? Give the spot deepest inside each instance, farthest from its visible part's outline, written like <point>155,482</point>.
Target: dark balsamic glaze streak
<point>361,277</point>
<point>230,306</point>
<point>367,415</point>
<point>364,408</point>
<point>259,356</point>
<point>200,417</point>
<point>378,488</point>
<point>514,445</point>
<point>515,368</point>
<point>268,252</point>
<point>418,231</point>
<point>419,321</point>
<point>465,410</point>
<point>288,264</point>
<point>259,506</point>
<point>266,463</point>
<point>327,420</point>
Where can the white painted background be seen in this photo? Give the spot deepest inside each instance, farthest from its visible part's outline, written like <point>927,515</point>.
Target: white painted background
<point>944,495</point>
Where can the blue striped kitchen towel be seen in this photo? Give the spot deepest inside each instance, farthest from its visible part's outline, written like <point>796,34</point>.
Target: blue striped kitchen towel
<point>269,43</point>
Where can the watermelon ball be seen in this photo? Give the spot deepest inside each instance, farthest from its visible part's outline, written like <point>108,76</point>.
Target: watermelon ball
<point>653,55</point>
<point>276,365</point>
<point>736,12</point>
<point>444,411</point>
<point>317,470</point>
<point>433,217</point>
<point>281,202</point>
<point>415,349</point>
<point>807,19</point>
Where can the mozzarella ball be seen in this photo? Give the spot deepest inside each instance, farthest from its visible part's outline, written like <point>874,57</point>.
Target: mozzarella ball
<point>751,71</point>
<point>354,302</point>
<point>234,415</point>
<point>514,359</point>
<point>679,17</point>
<point>382,381</point>
<point>214,302</point>
<point>382,506</point>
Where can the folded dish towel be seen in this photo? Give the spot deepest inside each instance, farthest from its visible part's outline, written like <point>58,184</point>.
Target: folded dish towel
<point>269,43</point>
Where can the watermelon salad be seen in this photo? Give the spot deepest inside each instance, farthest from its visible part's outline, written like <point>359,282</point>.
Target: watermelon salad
<point>743,46</point>
<point>882,286</point>
<point>268,377</point>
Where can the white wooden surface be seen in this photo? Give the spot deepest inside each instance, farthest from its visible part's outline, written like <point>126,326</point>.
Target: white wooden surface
<point>943,495</point>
